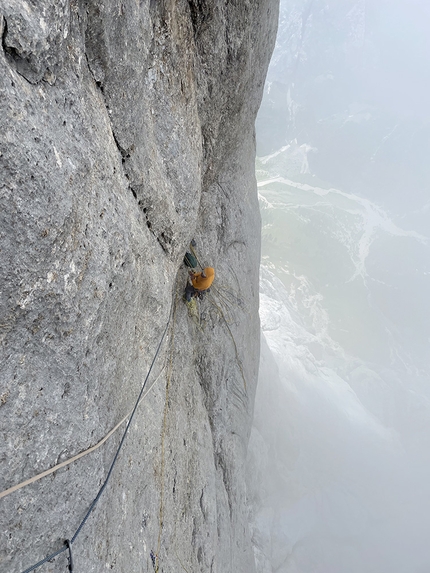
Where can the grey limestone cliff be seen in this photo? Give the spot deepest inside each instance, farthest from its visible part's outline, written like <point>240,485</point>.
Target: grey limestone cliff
<point>126,129</point>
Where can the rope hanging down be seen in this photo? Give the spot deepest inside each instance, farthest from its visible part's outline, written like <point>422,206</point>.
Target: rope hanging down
<point>163,436</point>
<point>96,499</point>
<point>226,323</point>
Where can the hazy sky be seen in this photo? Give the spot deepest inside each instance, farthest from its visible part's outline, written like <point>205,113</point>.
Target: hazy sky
<point>344,177</point>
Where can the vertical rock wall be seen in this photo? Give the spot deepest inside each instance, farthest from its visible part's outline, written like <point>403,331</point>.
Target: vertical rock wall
<point>127,129</point>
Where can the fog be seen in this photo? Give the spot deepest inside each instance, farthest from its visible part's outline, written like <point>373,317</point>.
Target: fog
<point>340,449</point>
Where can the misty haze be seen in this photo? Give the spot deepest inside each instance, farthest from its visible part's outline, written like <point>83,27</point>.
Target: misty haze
<point>339,453</point>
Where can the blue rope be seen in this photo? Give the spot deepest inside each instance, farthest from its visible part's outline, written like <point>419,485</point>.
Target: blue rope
<point>92,506</point>
<point>45,560</point>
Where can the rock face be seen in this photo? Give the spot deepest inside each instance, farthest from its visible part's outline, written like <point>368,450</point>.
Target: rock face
<point>126,130</point>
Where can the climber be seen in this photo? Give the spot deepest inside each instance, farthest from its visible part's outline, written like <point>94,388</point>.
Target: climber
<point>198,283</point>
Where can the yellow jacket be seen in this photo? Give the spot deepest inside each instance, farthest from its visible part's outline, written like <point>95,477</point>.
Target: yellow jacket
<point>203,283</point>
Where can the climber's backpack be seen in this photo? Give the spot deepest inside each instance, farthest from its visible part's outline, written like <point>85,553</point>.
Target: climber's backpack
<point>190,260</point>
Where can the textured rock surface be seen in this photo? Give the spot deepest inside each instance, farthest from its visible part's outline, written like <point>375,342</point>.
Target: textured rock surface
<point>126,129</point>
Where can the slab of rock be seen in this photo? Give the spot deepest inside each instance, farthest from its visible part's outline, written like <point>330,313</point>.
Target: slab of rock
<point>127,128</point>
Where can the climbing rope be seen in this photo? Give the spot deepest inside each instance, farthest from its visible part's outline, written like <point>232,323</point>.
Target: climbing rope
<point>231,298</point>
<point>130,416</point>
<point>163,435</point>
<point>70,542</point>
<point>239,362</point>
<point>69,546</point>
<point>214,302</point>
<point>78,456</point>
<point>179,559</point>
